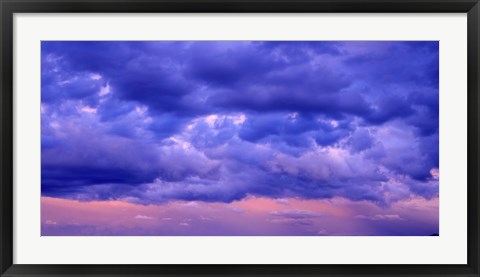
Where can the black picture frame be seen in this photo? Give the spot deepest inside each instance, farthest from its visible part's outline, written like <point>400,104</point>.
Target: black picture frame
<point>10,7</point>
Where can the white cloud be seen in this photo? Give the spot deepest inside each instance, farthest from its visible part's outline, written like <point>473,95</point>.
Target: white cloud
<point>143,217</point>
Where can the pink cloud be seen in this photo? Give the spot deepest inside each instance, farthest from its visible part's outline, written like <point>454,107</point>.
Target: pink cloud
<point>250,216</point>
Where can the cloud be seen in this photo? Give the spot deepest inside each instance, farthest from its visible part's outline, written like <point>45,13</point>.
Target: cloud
<point>155,122</point>
<point>380,217</point>
<point>282,201</point>
<point>322,232</point>
<point>295,214</point>
<point>259,217</point>
<point>361,140</point>
<point>143,217</point>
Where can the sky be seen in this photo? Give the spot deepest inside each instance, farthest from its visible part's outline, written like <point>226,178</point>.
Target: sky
<point>293,138</point>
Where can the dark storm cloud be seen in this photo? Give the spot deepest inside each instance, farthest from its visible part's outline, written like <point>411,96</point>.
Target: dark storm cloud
<point>218,121</point>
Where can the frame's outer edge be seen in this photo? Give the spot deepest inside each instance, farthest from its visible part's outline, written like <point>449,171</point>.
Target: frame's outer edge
<point>6,139</point>
<point>241,6</point>
<point>9,7</point>
<point>473,25</point>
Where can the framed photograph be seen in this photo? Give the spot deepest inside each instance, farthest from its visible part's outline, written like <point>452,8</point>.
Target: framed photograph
<point>239,138</point>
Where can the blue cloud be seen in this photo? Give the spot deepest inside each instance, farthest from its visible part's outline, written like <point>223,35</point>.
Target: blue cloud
<point>218,121</point>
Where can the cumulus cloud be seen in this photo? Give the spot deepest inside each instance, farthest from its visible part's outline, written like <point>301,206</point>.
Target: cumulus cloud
<point>152,122</point>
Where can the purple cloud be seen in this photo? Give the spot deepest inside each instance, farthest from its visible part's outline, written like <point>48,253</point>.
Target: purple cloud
<point>152,122</point>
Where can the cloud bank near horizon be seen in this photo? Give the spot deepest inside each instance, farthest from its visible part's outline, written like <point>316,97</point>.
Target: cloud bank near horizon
<point>251,216</point>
